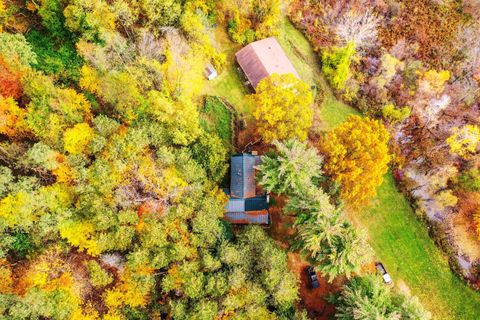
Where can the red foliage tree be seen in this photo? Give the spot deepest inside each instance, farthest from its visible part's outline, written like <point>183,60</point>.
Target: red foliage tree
<point>10,85</point>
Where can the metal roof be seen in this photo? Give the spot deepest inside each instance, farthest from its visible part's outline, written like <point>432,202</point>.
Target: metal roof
<point>244,206</point>
<point>235,205</point>
<point>242,176</point>
<point>261,217</point>
<point>257,203</point>
<point>262,58</point>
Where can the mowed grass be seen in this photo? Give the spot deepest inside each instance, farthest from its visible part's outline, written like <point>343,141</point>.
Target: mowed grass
<point>399,239</point>
<point>229,83</point>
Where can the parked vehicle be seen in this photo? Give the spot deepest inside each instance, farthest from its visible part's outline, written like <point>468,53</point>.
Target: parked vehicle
<point>386,277</point>
<point>312,276</point>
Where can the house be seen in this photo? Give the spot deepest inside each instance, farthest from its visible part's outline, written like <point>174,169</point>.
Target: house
<point>245,206</point>
<point>262,58</point>
<point>210,72</point>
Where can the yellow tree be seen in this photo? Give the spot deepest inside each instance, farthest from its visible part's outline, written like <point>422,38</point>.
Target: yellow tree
<point>356,156</point>
<point>434,81</point>
<point>12,118</point>
<point>464,141</point>
<point>282,108</point>
<point>76,139</point>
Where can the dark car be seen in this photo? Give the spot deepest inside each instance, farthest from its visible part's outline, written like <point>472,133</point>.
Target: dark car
<point>312,276</point>
<point>386,277</point>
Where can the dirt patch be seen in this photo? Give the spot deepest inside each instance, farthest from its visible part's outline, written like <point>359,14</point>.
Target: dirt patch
<point>280,224</point>
<point>312,300</point>
<point>403,287</point>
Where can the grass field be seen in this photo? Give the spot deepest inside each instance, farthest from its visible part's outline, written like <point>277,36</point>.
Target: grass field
<point>400,241</point>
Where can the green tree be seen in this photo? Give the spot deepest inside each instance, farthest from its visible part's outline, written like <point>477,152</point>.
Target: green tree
<point>161,13</point>
<point>333,246</point>
<point>368,298</point>
<point>98,276</point>
<point>291,169</point>
<point>209,151</point>
<point>52,16</point>
<point>336,64</point>
<point>91,19</point>
<point>16,48</point>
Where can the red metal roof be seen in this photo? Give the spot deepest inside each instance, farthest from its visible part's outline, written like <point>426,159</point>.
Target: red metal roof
<point>262,58</point>
<point>250,217</point>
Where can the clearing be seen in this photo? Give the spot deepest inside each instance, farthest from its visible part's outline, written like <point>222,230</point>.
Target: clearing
<point>399,239</point>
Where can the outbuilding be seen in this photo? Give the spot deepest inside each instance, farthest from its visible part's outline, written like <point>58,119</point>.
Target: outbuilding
<point>210,72</point>
<point>262,58</point>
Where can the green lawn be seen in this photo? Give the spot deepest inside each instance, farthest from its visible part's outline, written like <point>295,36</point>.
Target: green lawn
<point>215,117</point>
<point>400,241</point>
<point>228,84</point>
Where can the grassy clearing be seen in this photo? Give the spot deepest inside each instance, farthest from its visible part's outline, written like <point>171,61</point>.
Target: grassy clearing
<point>402,243</point>
<point>229,83</point>
<point>216,118</point>
<point>399,239</point>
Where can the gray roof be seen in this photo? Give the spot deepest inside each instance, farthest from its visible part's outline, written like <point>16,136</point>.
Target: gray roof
<point>242,176</point>
<point>257,203</point>
<point>244,206</point>
<point>245,217</point>
<point>235,205</point>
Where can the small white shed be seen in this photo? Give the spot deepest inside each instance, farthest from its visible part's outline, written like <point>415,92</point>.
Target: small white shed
<point>210,72</point>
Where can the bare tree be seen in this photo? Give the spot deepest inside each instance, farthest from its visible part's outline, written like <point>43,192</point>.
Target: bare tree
<point>359,28</point>
<point>469,44</point>
<point>149,47</point>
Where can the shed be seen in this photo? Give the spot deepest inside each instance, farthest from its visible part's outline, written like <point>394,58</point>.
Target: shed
<point>210,72</point>
<point>262,58</point>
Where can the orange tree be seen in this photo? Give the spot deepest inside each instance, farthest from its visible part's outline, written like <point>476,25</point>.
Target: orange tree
<point>282,108</point>
<point>356,156</point>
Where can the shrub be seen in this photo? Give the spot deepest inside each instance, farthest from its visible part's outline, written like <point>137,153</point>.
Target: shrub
<point>336,64</point>
<point>98,276</point>
<point>470,180</point>
<point>22,244</point>
<point>394,114</point>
